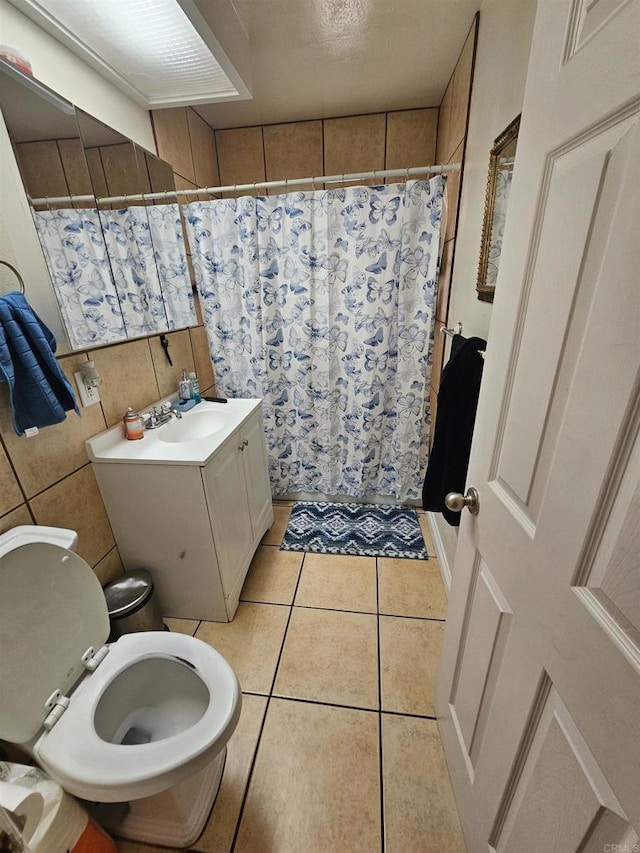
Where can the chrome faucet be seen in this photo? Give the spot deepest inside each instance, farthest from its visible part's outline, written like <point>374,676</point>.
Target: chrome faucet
<point>158,417</point>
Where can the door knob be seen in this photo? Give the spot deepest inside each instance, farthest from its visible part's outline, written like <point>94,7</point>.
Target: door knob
<point>457,502</point>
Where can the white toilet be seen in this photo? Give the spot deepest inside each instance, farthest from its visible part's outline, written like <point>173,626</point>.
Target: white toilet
<point>142,722</point>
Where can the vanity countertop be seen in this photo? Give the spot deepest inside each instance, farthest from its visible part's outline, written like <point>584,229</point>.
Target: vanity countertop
<point>191,440</point>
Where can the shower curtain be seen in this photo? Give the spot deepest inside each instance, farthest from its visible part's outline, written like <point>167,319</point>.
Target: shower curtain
<point>323,304</point>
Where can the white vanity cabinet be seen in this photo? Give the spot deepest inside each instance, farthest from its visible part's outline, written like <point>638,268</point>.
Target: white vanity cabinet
<point>194,524</point>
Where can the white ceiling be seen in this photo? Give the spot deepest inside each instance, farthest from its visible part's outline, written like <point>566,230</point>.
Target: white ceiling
<point>320,58</point>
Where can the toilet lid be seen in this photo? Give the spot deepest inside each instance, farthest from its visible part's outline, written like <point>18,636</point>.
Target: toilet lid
<point>51,610</point>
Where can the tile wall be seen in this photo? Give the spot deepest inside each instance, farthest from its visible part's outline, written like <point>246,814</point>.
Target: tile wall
<point>298,149</point>
<point>47,479</point>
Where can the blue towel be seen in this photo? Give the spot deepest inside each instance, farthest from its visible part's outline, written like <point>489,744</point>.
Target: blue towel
<point>39,391</point>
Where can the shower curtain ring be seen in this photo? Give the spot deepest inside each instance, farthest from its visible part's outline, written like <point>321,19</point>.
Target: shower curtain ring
<point>46,198</point>
<point>286,181</point>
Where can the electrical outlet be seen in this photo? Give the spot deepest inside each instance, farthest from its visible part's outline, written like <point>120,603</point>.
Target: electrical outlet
<point>88,394</point>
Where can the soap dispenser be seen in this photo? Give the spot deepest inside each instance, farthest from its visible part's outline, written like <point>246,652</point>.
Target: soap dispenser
<point>184,387</point>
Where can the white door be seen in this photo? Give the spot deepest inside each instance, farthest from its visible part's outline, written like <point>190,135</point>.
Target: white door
<point>539,688</point>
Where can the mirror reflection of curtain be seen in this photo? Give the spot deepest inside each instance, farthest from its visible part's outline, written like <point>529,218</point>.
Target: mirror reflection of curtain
<point>130,249</point>
<point>76,254</point>
<point>323,304</point>
<point>501,203</point>
<point>171,259</point>
<point>117,274</point>
<point>149,262</point>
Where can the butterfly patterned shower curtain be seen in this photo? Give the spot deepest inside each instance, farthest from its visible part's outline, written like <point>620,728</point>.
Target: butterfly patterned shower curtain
<point>323,304</point>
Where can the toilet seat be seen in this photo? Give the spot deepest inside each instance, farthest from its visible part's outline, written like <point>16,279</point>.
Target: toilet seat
<point>91,768</point>
<point>55,670</point>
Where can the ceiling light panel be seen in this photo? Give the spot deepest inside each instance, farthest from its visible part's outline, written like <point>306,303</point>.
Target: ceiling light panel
<point>150,43</point>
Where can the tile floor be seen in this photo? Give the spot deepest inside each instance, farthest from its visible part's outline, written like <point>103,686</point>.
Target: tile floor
<point>337,748</point>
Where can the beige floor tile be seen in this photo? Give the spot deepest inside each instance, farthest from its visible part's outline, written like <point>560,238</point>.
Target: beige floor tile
<point>251,643</point>
<point>419,809</point>
<point>409,652</point>
<point>338,582</point>
<point>182,626</point>
<point>315,786</point>
<point>217,835</point>
<point>411,588</point>
<point>274,535</point>
<point>330,656</point>
<point>272,576</point>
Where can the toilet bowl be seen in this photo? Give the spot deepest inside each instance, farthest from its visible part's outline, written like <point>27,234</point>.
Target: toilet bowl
<point>142,721</point>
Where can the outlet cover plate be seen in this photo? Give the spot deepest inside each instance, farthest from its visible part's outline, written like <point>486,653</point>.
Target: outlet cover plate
<point>88,394</point>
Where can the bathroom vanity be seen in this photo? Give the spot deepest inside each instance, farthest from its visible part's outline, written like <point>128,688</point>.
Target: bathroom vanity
<point>190,502</point>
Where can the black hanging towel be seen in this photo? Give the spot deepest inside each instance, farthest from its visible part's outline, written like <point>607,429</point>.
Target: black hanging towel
<point>457,404</point>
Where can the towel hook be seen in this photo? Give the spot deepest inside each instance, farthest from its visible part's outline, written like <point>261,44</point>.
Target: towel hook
<point>15,272</point>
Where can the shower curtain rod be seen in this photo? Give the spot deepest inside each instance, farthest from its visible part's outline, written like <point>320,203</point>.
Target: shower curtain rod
<point>258,185</point>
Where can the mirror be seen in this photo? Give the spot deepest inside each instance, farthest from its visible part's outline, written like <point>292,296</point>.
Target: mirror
<point>501,160</point>
<point>144,237</point>
<point>118,267</point>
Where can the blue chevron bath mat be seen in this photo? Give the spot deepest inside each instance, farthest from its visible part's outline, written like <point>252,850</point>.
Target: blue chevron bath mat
<point>365,530</point>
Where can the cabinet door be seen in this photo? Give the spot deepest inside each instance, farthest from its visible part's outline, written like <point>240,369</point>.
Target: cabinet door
<point>227,498</point>
<point>254,459</point>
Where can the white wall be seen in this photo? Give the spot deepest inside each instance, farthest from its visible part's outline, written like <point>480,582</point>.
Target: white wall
<point>20,246</point>
<point>68,75</point>
<point>502,57</point>
<point>72,78</point>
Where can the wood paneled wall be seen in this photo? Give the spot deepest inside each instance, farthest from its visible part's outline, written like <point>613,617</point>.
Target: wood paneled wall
<point>450,148</point>
<point>203,157</point>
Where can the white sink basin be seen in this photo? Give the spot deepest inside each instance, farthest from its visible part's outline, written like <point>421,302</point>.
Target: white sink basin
<point>191,427</point>
<point>192,440</point>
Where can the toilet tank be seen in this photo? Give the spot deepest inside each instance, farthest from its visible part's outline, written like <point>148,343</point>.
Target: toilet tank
<point>26,533</point>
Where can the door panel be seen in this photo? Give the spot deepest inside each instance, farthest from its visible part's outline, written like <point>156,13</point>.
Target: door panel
<point>559,798</point>
<point>539,686</point>
<point>582,190</point>
<point>488,621</point>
